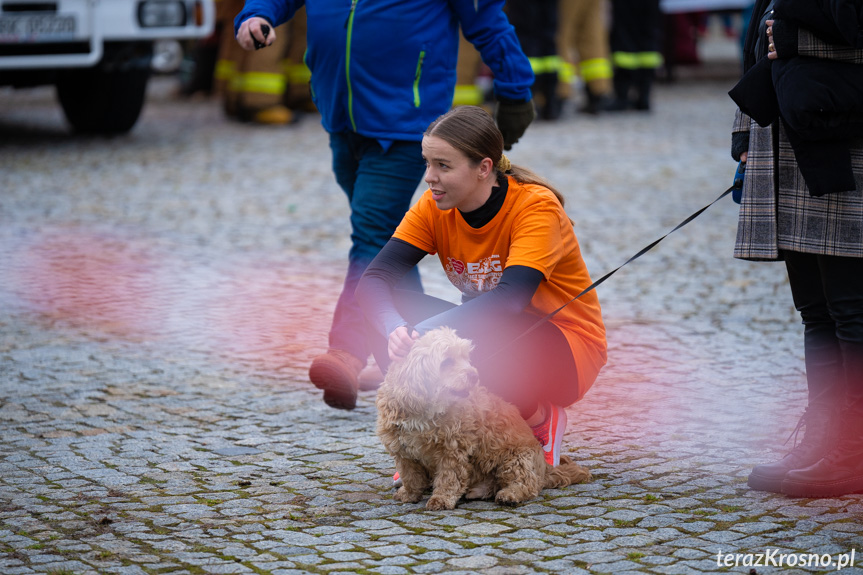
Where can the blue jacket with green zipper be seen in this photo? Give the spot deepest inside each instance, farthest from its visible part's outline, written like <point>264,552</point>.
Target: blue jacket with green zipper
<point>386,69</point>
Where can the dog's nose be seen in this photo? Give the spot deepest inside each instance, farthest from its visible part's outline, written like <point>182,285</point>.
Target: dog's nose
<point>473,377</point>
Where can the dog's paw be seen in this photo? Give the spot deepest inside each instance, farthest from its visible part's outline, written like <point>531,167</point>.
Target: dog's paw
<point>406,496</point>
<point>508,497</point>
<point>482,490</point>
<point>438,503</point>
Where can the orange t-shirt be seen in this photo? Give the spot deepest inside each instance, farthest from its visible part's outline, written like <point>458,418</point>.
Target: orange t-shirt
<point>531,229</point>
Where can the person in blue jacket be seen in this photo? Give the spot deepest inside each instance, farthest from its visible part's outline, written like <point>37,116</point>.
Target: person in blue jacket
<point>382,71</point>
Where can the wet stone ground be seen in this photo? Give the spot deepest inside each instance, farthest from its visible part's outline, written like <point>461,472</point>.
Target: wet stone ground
<point>162,294</point>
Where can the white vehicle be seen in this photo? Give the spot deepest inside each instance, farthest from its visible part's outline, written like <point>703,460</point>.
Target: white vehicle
<point>97,53</point>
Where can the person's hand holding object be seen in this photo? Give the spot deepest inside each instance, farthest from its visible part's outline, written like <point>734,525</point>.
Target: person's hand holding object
<point>255,33</point>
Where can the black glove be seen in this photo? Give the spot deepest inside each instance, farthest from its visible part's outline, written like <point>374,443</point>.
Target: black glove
<point>739,144</point>
<point>513,117</point>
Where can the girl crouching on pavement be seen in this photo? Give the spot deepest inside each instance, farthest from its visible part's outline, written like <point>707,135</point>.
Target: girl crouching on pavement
<point>506,243</point>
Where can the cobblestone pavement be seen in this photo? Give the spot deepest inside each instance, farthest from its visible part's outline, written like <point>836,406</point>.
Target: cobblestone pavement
<point>162,293</point>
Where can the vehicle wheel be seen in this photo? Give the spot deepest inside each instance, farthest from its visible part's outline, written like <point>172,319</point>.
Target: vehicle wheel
<point>100,101</point>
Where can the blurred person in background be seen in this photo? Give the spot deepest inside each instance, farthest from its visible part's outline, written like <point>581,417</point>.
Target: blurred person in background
<point>381,72</point>
<point>582,40</point>
<point>636,40</point>
<point>535,24</point>
<point>473,83</point>
<point>794,210</point>
<point>197,72</point>
<point>263,86</point>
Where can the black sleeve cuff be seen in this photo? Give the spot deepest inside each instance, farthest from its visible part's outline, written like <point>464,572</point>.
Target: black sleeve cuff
<point>739,144</point>
<point>785,38</point>
<point>510,101</point>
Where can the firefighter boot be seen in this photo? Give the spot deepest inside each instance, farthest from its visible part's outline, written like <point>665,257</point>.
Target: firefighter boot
<point>595,103</point>
<point>643,84</point>
<point>623,80</point>
<point>550,104</point>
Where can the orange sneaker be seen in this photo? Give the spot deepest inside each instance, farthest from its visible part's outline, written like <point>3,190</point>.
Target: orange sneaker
<point>336,372</point>
<point>550,432</point>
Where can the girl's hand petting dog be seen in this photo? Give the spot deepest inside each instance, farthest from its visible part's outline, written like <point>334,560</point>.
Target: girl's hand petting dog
<point>400,342</point>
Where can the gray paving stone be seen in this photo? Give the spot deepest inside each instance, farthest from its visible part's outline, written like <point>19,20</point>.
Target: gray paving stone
<point>587,535</point>
<point>722,536</point>
<point>483,529</point>
<point>344,556</point>
<point>433,567</point>
<point>393,550</point>
<point>473,562</point>
<point>633,540</point>
<point>525,544</point>
<point>563,566</point>
<point>389,570</point>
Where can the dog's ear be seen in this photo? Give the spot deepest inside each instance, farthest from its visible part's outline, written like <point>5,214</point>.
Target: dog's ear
<point>438,351</point>
<point>427,366</point>
<point>407,383</point>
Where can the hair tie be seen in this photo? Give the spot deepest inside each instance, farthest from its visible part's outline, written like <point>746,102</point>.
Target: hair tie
<point>503,164</point>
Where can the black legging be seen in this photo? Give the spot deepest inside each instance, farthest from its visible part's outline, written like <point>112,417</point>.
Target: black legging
<point>537,368</point>
<point>828,293</point>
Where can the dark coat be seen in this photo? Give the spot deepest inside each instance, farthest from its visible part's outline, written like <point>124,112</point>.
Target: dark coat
<point>820,101</point>
<point>838,22</point>
<point>777,212</point>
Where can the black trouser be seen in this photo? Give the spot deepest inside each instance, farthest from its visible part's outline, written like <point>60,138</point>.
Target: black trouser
<point>828,293</point>
<point>537,368</point>
<point>535,23</point>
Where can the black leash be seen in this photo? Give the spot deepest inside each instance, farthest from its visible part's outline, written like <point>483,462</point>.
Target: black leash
<point>643,251</point>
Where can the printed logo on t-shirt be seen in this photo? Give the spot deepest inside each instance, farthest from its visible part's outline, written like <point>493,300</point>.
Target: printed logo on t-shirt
<point>481,276</point>
<point>455,265</point>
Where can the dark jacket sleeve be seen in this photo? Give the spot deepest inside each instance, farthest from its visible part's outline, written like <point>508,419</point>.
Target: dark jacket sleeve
<point>374,293</point>
<point>485,25</point>
<point>510,297</point>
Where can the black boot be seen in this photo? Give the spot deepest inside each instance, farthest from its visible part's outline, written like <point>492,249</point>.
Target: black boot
<point>819,437</point>
<point>595,103</point>
<point>839,472</point>
<point>643,85</point>
<point>546,85</point>
<point>622,81</point>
